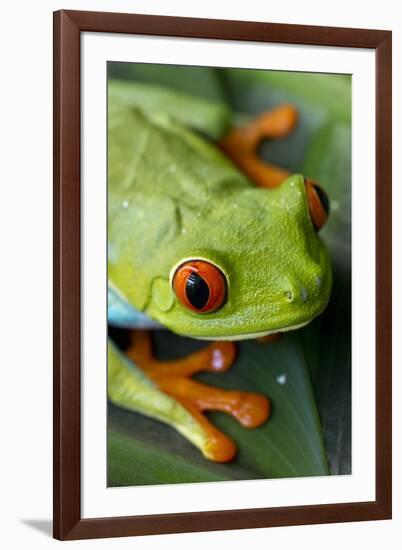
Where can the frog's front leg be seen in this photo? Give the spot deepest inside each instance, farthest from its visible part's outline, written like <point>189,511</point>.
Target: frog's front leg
<point>172,380</point>
<point>241,144</point>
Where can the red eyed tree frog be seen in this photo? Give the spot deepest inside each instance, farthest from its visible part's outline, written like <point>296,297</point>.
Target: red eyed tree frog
<point>207,240</point>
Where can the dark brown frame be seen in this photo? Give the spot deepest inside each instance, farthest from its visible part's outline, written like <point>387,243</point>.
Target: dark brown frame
<point>68,26</point>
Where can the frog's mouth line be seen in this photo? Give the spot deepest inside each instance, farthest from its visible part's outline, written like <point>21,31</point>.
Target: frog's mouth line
<point>252,335</point>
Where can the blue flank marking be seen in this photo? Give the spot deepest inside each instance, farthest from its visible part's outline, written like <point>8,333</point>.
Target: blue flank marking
<point>121,314</point>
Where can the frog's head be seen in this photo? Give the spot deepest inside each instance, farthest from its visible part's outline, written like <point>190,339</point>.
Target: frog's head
<point>251,265</point>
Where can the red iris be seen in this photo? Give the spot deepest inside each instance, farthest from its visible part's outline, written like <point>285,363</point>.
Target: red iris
<point>199,286</point>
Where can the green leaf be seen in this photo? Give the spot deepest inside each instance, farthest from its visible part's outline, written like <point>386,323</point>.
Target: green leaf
<point>314,363</point>
<point>210,118</point>
<point>198,81</point>
<point>331,334</point>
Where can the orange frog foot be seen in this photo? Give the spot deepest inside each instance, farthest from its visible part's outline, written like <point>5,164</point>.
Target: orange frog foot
<point>241,144</point>
<point>174,378</point>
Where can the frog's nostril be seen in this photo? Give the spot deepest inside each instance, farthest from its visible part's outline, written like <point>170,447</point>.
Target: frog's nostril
<point>289,295</point>
<point>296,294</point>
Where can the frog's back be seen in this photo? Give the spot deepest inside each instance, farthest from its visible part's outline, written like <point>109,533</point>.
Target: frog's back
<point>152,153</point>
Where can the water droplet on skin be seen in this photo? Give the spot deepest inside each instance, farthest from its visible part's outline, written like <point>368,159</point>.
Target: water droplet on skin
<point>292,184</point>
<point>235,206</point>
<point>184,231</point>
<point>199,214</point>
<point>335,205</point>
<point>318,281</point>
<point>281,379</point>
<point>172,169</point>
<point>125,204</point>
<point>303,293</point>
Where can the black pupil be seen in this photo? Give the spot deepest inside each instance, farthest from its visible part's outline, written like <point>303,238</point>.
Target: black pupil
<point>197,291</point>
<point>323,198</point>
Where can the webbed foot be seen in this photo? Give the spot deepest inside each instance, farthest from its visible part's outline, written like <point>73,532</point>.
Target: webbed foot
<point>174,378</point>
<point>241,144</point>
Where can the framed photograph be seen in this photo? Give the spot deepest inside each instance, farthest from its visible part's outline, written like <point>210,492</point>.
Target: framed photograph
<point>222,266</point>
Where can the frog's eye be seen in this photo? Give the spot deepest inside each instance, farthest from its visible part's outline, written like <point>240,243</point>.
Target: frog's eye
<point>318,203</point>
<point>199,286</point>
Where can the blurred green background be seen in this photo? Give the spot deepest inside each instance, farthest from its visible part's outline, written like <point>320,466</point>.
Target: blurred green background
<point>307,373</point>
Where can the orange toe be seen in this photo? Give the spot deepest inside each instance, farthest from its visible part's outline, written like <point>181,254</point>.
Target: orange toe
<point>251,410</point>
<point>222,356</point>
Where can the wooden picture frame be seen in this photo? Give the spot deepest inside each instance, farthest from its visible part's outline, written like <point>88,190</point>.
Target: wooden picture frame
<point>68,26</point>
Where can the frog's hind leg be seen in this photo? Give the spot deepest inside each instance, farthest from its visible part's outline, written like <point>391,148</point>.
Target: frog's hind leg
<point>241,144</point>
<point>173,378</point>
